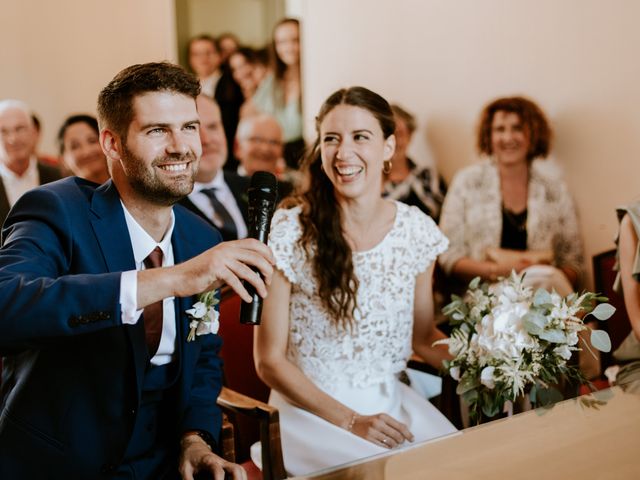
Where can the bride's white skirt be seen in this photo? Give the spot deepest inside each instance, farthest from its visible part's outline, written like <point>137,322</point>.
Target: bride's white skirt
<point>310,443</point>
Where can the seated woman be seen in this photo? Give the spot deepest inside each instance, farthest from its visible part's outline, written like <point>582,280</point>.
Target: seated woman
<point>511,211</point>
<point>350,298</point>
<point>280,92</point>
<point>629,280</point>
<point>407,182</point>
<point>78,139</point>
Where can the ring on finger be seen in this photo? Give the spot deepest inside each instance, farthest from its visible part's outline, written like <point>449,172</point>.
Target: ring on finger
<point>384,440</point>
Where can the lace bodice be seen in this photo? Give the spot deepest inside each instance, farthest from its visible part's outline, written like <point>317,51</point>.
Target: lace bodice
<point>380,343</point>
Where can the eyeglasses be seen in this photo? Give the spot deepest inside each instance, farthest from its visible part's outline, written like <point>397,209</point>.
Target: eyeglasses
<point>265,141</point>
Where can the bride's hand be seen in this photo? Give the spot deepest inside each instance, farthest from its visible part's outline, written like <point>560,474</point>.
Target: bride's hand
<point>381,429</point>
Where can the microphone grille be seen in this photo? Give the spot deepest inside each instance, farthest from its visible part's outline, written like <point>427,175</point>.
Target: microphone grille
<point>263,180</point>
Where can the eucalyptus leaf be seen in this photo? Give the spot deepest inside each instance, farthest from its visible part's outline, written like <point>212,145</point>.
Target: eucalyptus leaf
<point>489,409</point>
<point>542,297</point>
<point>467,382</point>
<point>548,396</point>
<point>600,340</point>
<point>603,311</point>
<point>534,322</point>
<point>471,396</point>
<point>533,392</point>
<point>553,336</point>
<point>473,284</point>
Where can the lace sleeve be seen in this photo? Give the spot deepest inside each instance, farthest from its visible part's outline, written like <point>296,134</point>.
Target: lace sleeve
<point>426,239</point>
<point>283,240</point>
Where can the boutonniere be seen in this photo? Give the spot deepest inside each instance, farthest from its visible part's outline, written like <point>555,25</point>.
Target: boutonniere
<point>204,317</point>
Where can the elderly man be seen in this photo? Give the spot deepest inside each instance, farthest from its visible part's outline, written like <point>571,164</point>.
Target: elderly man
<point>219,196</point>
<point>259,146</point>
<point>19,168</point>
<point>110,371</point>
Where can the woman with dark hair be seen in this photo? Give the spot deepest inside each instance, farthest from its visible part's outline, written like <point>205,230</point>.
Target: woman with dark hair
<point>350,299</point>
<point>249,68</point>
<point>79,143</point>
<point>281,91</point>
<point>512,211</point>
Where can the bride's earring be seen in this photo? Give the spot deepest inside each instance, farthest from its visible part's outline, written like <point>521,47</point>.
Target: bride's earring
<point>386,167</point>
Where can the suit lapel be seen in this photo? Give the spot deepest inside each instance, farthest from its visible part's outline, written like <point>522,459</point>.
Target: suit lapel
<point>186,352</point>
<point>4,203</point>
<point>112,234</point>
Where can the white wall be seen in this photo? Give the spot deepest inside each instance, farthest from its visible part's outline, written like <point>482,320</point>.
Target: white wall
<point>57,55</point>
<point>443,60</point>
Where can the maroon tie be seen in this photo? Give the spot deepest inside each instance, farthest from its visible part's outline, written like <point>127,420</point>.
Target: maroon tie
<point>152,314</point>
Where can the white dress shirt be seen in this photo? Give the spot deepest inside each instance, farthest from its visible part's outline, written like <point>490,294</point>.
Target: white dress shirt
<point>225,196</point>
<point>17,185</point>
<point>143,244</point>
<point>209,84</point>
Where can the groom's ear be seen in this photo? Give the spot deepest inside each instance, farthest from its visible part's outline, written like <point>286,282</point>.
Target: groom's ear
<point>111,144</point>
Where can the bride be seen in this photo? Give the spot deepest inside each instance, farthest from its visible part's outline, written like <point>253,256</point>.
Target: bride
<point>350,299</point>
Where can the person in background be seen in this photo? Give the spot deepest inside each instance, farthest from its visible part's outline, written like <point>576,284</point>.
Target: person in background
<point>42,158</point>
<point>405,180</point>
<point>512,211</point>
<point>227,44</point>
<point>280,93</point>
<point>20,169</point>
<point>219,196</point>
<point>628,282</point>
<point>258,147</point>
<point>205,60</point>
<point>350,297</point>
<point>79,142</point>
<point>249,68</point>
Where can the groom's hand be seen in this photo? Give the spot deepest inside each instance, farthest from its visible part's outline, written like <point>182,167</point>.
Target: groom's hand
<point>227,263</point>
<point>197,457</point>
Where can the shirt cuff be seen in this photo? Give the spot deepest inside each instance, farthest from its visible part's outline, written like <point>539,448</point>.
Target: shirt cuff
<point>128,297</point>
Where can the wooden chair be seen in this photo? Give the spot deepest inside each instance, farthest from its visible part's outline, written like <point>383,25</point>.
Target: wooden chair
<point>244,397</point>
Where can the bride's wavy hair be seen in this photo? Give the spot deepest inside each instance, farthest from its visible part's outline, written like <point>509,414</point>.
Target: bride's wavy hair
<point>321,216</point>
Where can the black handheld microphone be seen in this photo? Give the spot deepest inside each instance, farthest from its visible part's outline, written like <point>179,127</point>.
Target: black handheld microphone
<point>263,192</point>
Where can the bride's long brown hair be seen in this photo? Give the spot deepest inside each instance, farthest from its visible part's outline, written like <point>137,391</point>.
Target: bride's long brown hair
<point>321,216</point>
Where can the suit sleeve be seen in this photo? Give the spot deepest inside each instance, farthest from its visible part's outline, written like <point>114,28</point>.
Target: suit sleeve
<point>40,298</point>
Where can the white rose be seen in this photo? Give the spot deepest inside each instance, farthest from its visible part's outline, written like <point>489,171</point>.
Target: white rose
<point>455,373</point>
<point>198,311</point>
<point>487,378</point>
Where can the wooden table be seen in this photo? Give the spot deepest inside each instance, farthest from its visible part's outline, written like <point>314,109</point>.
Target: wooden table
<point>590,437</point>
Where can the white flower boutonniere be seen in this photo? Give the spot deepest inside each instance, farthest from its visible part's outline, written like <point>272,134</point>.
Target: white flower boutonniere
<point>204,317</point>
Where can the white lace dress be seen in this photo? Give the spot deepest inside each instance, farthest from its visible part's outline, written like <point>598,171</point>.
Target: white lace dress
<point>358,369</point>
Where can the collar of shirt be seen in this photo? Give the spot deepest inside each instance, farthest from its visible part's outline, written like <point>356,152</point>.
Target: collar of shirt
<point>217,183</point>
<point>210,83</point>
<point>143,244</point>
<point>226,197</point>
<point>16,185</point>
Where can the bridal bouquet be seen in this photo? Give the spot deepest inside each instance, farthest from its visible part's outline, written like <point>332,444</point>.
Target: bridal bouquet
<point>508,340</point>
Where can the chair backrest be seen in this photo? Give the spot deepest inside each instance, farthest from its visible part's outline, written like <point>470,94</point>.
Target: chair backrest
<point>239,369</point>
<point>618,325</point>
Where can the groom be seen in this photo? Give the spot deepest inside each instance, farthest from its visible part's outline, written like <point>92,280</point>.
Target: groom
<point>99,380</point>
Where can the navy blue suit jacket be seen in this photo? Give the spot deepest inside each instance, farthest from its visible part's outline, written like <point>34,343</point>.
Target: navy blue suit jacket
<point>72,372</point>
